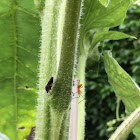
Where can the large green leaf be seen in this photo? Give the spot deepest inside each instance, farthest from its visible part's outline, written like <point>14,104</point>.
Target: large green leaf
<point>123,85</point>
<point>96,15</point>
<point>19,45</point>
<point>97,18</point>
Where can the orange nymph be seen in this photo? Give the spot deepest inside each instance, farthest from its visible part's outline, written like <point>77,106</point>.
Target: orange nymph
<point>79,86</point>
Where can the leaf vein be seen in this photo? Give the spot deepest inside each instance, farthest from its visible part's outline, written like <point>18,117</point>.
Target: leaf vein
<point>110,11</point>
<point>27,12</point>
<point>27,51</point>
<point>5,59</point>
<point>33,73</point>
<point>5,14</point>
<point>15,58</point>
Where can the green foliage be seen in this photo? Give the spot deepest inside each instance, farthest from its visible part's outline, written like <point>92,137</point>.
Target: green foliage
<point>107,35</point>
<point>98,89</point>
<point>121,82</point>
<point>19,39</point>
<point>97,18</point>
<point>100,103</point>
<point>123,85</point>
<point>19,46</point>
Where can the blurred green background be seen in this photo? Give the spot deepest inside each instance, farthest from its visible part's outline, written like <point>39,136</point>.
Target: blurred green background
<point>100,99</point>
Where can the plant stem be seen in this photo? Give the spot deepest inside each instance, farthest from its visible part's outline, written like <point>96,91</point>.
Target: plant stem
<point>117,108</point>
<point>61,93</point>
<point>60,30</point>
<point>126,127</point>
<point>65,126</point>
<point>81,105</point>
<point>56,121</point>
<point>60,96</point>
<point>48,64</point>
<point>58,99</point>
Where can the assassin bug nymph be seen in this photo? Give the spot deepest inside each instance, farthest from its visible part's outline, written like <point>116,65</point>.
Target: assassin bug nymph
<point>49,85</point>
<point>79,86</point>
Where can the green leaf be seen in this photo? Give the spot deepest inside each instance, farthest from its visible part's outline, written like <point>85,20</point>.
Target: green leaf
<point>104,2</point>
<point>107,35</point>
<point>96,15</point>
<point>98,18</point>
<point>124,86</point>
<point>19,46</point>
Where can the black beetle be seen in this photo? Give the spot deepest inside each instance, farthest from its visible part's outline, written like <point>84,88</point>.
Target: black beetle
<point>49,85</point>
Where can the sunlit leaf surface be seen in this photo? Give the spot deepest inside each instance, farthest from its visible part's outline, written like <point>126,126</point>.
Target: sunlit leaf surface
<point>97,16</point>
<point>123,85</point>
<point>19,45</point>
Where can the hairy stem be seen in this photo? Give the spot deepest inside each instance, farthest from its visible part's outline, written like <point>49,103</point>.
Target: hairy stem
<point>65,126</point>
<point>61,92</point>
<point>60,97</point>
<point>81,99</point>
<point>56,122</point>
<point>48,64</point>
<point>52,106</point>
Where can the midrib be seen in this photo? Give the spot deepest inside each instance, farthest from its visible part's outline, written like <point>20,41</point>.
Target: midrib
<point>15,59</point>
